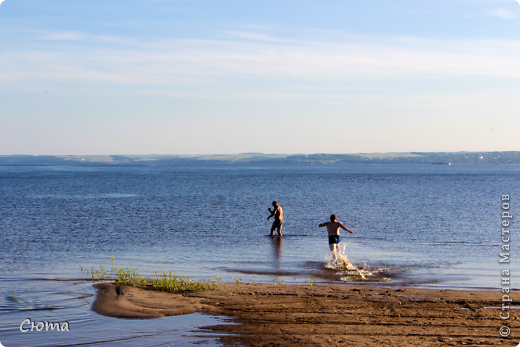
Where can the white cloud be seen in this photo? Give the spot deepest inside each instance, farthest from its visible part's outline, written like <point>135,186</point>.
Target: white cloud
<point>518,1</point>
<point>219,67</point>
<point>65,35</point>
<point>251,36</point>
<point>502,13</point>
<point>1,1</point>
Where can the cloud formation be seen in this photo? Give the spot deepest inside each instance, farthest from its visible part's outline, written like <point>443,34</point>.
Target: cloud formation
<point>1,1</point>
<point>193,62</point>
<point>66,35</point>
<point>503,13</point>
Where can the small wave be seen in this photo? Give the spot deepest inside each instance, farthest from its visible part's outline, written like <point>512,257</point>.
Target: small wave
<point>86,196</point>
<point>116,195</point>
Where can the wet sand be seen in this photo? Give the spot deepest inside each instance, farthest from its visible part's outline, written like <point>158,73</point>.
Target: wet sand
<point>303,315</point>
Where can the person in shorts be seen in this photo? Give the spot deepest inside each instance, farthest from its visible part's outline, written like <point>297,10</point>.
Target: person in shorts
<point>333,230</point>
<point>277,213</point>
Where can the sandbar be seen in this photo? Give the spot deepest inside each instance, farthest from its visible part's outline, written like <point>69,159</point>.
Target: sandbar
<point>327,315</point>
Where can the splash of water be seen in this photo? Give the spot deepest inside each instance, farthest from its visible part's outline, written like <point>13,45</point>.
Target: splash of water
<point>342,264</point>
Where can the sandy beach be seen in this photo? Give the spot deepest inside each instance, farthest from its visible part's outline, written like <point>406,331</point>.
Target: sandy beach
<point>321,315</point>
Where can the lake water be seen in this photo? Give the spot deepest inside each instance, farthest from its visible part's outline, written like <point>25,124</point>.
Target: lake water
<point>431,226</point>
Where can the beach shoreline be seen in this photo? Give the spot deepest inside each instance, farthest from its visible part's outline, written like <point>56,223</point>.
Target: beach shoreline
<point>313,315</point>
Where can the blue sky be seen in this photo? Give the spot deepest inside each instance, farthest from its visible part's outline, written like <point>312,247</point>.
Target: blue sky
<point>203,77</point>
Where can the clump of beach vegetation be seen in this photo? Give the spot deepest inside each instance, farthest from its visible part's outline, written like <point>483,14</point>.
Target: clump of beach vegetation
<point>166,282</point>
<point>311,281</point>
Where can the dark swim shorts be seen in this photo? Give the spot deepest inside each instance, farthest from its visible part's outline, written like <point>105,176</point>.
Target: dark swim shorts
<point>333,239</point>
<point>277,223</point>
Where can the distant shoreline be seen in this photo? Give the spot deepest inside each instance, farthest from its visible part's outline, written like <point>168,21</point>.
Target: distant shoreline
<point>434,158</point>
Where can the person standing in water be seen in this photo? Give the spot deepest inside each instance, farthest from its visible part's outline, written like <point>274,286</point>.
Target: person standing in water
<point>277,213</point>
<point>333,229</point>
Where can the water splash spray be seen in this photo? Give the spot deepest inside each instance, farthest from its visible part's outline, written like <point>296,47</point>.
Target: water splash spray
<point>342,263</point>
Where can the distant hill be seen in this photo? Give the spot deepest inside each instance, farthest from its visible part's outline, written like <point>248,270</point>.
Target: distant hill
<point>439,158</point>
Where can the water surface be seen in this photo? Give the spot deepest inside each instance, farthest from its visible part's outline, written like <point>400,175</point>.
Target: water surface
<point>432,226</point>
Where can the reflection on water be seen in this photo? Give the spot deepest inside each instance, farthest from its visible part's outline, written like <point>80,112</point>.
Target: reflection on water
<point>277,243</point>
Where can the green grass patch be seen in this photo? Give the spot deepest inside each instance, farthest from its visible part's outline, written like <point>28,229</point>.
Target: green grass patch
<point>311,281</point>
<point>161,281</point>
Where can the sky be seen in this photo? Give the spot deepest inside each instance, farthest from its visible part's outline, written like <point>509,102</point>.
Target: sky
<point>223,77</point>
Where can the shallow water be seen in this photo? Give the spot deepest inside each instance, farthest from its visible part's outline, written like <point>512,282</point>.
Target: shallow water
<point>70,301</point>
<point>430,226</point>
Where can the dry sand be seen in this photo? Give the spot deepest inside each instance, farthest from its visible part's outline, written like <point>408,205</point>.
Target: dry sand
<point>302,315</point>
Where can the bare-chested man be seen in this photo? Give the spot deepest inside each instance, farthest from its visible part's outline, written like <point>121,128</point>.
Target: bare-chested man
<point>333,230</point>
<point>277,212</point>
